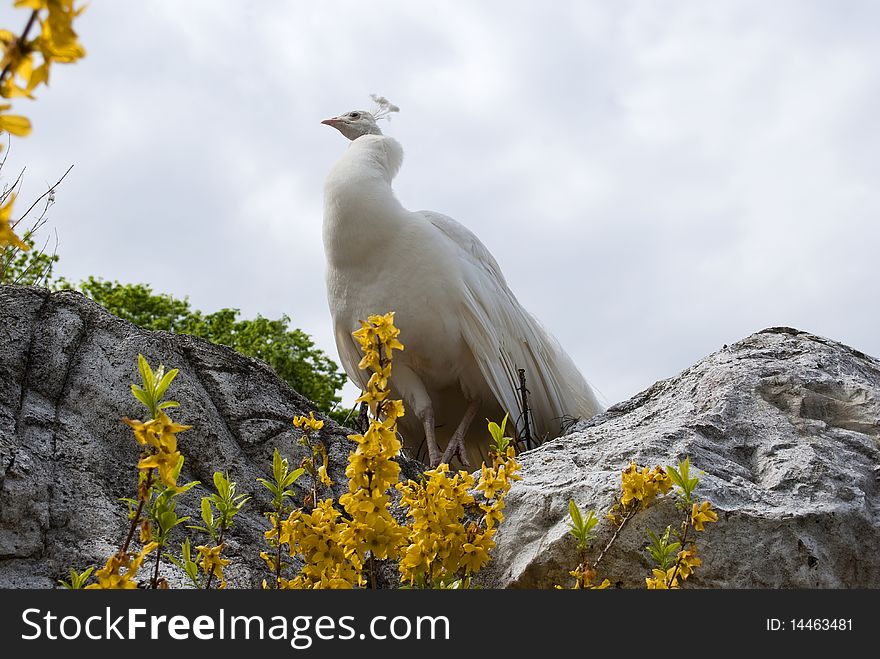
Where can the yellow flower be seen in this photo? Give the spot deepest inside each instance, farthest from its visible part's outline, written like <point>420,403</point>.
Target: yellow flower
<point>310,422</point>
<point>14,124</point>
<point>392,410</point>
<point>702,514</point>
<point>166,462</point>
<point>386,331</point>
<point>212,563</point>
<point>584,575</point>
<point>493,482</point>
<point>661,579</point>
<point>144,433</point>
<point>7,235</point>
<point>633,484</point>
<point>161,434</point>
<point>111,576</point>
<point>322,473</point>
<point>57,41</point>
<point>661,479</point>
<point>687,561</point>
<point>475,555</point>
<point>493,514</point>
<point>269,561</point>
<point>642,486</point>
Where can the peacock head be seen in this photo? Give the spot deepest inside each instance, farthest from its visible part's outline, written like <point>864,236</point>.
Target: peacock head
<point>354,124</point>
<point>360,122</point>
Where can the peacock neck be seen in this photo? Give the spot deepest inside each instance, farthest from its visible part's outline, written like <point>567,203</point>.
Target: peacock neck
<point>360,209</point>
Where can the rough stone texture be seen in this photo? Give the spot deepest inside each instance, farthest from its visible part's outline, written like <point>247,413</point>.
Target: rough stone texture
<point>66,366</point>
<point>785,426</point>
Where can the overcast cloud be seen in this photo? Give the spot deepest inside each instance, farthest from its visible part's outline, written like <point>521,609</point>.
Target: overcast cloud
<point>656,179</point>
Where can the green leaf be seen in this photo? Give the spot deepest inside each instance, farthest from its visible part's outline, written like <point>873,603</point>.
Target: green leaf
<point>165,382</point>
<point>495,431</point>
<point>675,476</point>
<point>575,514</point>
<point>207,512</point>
<point>592,520</point>
<point>141,395</point>
<point>146,372</point>
<point>77,580</point>
<point>187,486</point>
<point>279,467</point>
<point>221,483</point>
<point>291,478</point>
<point>168,403</point>
<point>189,567</point>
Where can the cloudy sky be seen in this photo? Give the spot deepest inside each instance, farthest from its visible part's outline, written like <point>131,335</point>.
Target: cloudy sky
<point>655,178</point>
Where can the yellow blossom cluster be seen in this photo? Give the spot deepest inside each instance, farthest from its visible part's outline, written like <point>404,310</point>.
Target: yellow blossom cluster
<point>642,486</point>
<point>442,543</point>
<point>120,570</point>
<point>371,471</point>
<point>454,516</point>
<point>700,514</point>
<point>334,548</point>
<point>437,510</point>
<point>316,536</point>
<point>669,579</point>
<point>584,576</point>
<point>21,73</point>
<point>308,423</point>
<point>687,559</point>
<point>212,563</point>
<point>378,339</point>
<point>159,437</point>
<point>317,463</point>
<point>56,43</point>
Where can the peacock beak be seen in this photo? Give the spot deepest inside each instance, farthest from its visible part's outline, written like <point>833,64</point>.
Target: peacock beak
<point>332,122</point>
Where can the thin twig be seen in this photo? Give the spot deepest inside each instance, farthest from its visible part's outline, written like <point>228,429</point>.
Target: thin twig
<point>6,152</point>
<point>154,582</point>
<point>40,198</point>
<point>44,273</point>
<point>137,514</point>
<point>350,412</point>
<point>617,531</point>
<point>683,543</point>
<point>278,555</point>
<point>8,191</point>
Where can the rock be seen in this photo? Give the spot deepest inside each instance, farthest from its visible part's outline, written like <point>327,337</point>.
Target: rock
<point>66,367</point>
<point>785,426</point>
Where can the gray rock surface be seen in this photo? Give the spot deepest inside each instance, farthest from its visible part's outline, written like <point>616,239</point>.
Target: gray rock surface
<point>785,426</point>
<point>66,366</point>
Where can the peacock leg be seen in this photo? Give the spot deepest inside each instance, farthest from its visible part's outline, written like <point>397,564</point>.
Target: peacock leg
<point>430,437</point>
<point>456,446</point>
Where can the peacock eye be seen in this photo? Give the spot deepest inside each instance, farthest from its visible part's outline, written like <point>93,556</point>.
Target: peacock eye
<point>354,115</point>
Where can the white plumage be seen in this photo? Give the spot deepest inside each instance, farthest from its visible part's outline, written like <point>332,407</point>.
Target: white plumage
<point>464,331</point>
